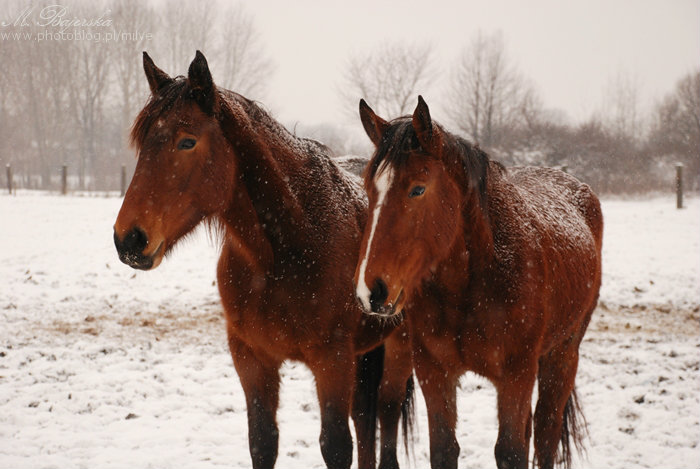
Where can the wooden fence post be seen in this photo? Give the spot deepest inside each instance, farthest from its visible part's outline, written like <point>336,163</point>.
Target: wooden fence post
<point>679,185</point>
<point>64,179</point>
<point>123,186</point>
<point>9,178</point>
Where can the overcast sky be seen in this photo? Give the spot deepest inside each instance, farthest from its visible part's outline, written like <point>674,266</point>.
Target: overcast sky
<point>571,50</point>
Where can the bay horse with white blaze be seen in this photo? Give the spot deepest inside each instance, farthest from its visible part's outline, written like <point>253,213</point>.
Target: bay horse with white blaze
<point>291,223</point>
<point>497,271</point>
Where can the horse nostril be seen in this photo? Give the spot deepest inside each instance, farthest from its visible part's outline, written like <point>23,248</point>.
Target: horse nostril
<point>378,295</point>
<point>131,248</point>
<point>133,243</point>
<point>136,241</point>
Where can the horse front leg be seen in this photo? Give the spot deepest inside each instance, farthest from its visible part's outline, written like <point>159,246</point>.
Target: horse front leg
<point>439,386</point>
<point>260,380</point>
<point>335,373</point>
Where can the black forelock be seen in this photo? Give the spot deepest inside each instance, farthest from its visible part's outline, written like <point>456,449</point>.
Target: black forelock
<point>400,141</point>
<point>157,105</point>
<point>475,163</point>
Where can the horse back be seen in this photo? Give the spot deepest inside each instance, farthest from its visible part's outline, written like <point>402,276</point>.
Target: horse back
<point>555,228</point>
<point>332,196</point>
<point>547,185</point>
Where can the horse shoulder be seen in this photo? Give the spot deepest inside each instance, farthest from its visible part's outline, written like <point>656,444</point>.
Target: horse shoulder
<point>556,204</point>
<point>241,278</point>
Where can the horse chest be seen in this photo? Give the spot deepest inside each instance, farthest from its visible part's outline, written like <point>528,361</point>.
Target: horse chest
<point>463,337</point>
<point>432,328</point>
<point>269,324</point>
<point>284,321</point>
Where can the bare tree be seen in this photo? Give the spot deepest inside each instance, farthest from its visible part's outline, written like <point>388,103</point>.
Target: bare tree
<point>89,90</point>
<point>244,66</point>
<point>488,98</point>
<point>9,98</point>
<point>390,78</point>
<point>72,99</point>
<point>135,16</point>
<point>40,87</point>
<point>185,26</point>
<point>675,130</point>
<point>621,110</point>
<point>129,87</point>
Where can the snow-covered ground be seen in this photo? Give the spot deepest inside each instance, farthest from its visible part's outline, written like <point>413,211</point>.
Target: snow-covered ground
<point>103,366</point>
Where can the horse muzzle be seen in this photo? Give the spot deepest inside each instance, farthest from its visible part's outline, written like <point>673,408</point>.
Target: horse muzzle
<point>132,250</point>
<point>378,305</point>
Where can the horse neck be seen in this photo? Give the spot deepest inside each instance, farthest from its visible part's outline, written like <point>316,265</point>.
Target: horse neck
<point>478,233</point>
<point>268,157</point>
<point>244,231</point>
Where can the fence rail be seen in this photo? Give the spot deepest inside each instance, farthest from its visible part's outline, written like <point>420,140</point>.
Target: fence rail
<point>63,185</point>
<point>124,181</point>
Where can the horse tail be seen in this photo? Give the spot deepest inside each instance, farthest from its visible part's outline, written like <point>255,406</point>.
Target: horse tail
<point>574,429</point>
<point>589,206</point>
<point>408,416</point>
<point>370,367</point>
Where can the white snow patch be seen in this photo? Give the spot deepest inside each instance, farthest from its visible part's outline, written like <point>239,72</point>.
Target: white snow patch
<point>87,342</point>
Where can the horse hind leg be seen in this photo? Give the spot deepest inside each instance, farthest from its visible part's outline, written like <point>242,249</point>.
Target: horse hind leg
<point>558,418</point>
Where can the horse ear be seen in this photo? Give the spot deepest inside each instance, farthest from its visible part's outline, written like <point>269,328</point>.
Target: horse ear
<point>157,78</point>
<point>201,83</point>
<point>373,124</point>
<point>428,133</point>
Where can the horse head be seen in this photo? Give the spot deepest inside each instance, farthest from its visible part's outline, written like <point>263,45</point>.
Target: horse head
<point>415,201</point>
<point>184,171</point>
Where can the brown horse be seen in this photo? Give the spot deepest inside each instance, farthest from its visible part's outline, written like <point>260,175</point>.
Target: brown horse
<point>498,272</point>
<point>291,223</point>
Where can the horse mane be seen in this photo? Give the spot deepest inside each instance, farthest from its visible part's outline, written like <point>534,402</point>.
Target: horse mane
<point>179,89</point>
<point>263,119</point>
<point>400,141</point>
<point>475,164</point>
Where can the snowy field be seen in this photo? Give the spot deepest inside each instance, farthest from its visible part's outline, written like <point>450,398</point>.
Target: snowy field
<point>102,366</point>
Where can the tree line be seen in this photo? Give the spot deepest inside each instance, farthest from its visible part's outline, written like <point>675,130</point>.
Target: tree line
<point>71,100</point>
<point>618,149</point>
<point>68,94</point>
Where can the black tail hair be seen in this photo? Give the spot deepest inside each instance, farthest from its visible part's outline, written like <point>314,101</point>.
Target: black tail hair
<point>408,416</point>
<point>574,429</point>
<point>370,367</point>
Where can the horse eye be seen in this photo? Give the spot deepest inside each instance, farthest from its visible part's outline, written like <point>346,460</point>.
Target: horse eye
<point>186,144</point>
<point>417,191</point>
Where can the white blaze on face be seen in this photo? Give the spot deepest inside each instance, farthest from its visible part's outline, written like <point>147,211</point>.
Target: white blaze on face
<point>382,182</point>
